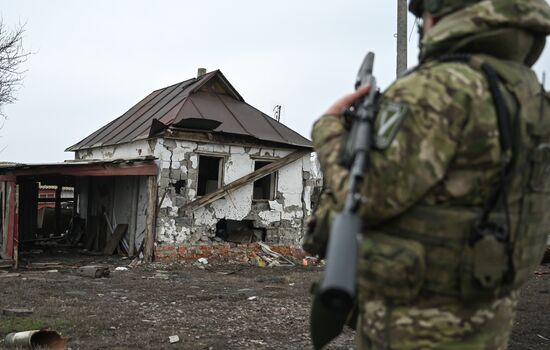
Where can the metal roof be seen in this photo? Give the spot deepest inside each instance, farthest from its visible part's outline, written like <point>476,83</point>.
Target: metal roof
<point>208,102</point>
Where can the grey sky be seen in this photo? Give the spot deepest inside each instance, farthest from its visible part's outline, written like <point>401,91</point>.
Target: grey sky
<point>93,60</point>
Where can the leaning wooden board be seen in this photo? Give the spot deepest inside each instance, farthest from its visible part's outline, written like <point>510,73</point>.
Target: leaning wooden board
<point>113,242</point>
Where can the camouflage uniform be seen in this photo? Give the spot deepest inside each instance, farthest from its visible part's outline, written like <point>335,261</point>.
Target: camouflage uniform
<point>444,153</point>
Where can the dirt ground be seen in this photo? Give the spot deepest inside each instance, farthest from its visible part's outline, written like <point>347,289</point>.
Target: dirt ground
<point>215,307</point>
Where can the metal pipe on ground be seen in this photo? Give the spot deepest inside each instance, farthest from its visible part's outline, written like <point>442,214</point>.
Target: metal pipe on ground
<point>36,339</point>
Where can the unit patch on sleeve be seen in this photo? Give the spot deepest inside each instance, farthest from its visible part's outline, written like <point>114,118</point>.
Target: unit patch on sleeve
<point>388,122</point>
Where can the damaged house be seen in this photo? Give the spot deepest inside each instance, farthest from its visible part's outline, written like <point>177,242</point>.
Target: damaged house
<point>187,171</point>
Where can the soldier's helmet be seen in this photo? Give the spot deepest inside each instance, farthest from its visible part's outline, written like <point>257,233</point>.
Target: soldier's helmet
<point>438,8</point>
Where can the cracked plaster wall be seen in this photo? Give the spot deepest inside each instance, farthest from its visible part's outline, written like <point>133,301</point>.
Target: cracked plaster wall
<point>130,150</point>
<point>283,218</point>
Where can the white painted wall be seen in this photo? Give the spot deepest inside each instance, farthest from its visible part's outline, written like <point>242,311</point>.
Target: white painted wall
<point>130,150</point>
<point>291,205</point>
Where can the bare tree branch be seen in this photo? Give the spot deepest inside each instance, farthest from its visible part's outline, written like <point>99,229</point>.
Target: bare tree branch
<point>12,55</point>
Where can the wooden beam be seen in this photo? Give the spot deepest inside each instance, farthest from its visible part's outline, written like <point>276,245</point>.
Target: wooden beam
<point>144,168</point>
<point>10,217</point>
<point>53,200</point>
<point>57,226</point>
<point>256,175</point>
<point>226,139</point>
<point>133,216</point>
<point>113,242</point>
<point>149,239</point>
<point>16,229</point>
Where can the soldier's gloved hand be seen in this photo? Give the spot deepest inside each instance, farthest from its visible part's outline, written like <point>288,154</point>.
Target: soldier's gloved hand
<point>345,102</point>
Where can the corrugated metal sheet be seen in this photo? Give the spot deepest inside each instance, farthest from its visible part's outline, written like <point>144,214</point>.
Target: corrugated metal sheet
<point>210,96</point>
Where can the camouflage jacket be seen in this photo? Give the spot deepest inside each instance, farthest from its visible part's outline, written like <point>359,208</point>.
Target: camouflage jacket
<point>446,150</point>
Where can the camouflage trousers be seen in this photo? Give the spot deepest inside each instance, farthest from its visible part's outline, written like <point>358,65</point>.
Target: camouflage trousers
<point>434,325</point>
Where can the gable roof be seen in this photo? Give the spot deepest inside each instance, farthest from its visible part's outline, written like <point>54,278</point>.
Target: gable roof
<point>208,102</point>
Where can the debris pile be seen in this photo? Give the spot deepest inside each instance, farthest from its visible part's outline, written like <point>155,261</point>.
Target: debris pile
<point>267,257</point>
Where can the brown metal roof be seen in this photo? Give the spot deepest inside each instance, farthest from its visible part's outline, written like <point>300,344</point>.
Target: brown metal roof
<point>210,98</point>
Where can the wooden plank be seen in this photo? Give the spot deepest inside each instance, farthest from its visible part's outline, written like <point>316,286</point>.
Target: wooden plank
<point>7,263</point>
<point>148,247</point>
<point>93,271</point>
<point>53,200</point>
<point>117,235</point>
<point>16,227</point>
<point>4,218</point>
<point>256,175</point>
<point>17,312</point>
<point>92,229</point>
<point>58,229</point>
<point>108,169</point>
<point>133,217</point>
<point>10,219</point>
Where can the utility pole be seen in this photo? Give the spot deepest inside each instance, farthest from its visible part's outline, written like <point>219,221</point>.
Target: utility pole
<point>401,36</point>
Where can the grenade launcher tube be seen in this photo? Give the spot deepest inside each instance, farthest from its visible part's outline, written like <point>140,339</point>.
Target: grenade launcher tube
<point>338,287</point>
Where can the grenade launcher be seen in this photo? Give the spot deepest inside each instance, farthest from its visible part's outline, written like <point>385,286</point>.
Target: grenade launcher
<point>336,293</point>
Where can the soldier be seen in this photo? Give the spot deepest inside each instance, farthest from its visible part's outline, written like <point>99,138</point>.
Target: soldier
<point>458,186</point>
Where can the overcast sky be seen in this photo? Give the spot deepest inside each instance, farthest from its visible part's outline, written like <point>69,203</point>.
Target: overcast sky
<point>93,60</point>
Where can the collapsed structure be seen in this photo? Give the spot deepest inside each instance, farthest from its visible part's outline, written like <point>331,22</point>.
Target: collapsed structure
<point>190,165</point>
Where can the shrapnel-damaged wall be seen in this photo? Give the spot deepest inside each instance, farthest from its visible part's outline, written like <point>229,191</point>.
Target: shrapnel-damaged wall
<point>282,218</point>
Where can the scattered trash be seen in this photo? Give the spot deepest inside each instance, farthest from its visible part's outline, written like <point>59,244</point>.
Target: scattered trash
<point>135,263</point>
<point>253,298</point>
<point>17,312</point>
<point>260,262</point>
<point>161,275</point>
<point>259,342</point>
<point>121,268</point>
<point>52,271</point>
<point>93,271</point>
<point>36,339</point>
<point>6,275</point>
<point>203,261</point>
<point>542,337</point>
<point>174,339</point>
<point>271,255</point>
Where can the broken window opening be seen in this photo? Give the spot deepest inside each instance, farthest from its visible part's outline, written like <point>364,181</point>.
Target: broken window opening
<point>264,188</point>
<point>239,231</point>
<point>210,174</point>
